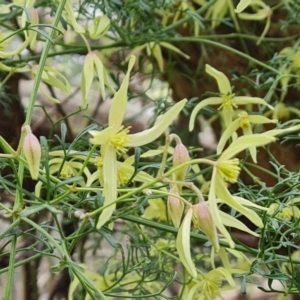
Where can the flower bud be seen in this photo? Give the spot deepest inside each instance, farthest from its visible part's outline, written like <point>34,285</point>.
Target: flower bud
<point>175,208</point>
<point>180,156</point>
<point>206,223</point>
<point>32,152</point>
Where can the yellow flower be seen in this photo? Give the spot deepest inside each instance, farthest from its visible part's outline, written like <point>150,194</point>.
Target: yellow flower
<point>227,100</point>
<point>286,211</point>
<point>244,121</point>
<point>66,166</point>
<point>291,62</point>
<point>227,169</point>
<point>115,139</point>
<point>211,285</point>
<point>154,49</point>
<point>262,11</point>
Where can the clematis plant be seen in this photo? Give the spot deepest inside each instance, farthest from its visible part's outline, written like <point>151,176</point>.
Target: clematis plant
<point>227,99</point>
<point>115,140</point>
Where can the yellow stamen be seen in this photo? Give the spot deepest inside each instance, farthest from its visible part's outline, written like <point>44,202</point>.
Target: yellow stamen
<point>210,285</point>
<point>122,178</point>
<point>67,171</point>
<point>228,102</point>
<point>286,213</point>
<point>120,140</point>
<point>244,120</point>
<point>99,163</point>
<point>230,169</point>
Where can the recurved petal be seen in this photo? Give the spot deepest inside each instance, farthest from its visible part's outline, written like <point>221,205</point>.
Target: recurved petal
<point>222,80</point>
<point>223,193</point>
<point>119,102</point>
<point>151,134</point>
<point>256,119</point>
<point>231,221</point>
<point>243,100</point>
<point>199,106</point>
<point>245,142</point>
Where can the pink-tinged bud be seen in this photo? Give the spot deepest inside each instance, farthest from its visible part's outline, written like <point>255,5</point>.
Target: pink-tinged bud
<point>32,152</point>
<point>180,156</point>
<point>175,208</point>
<point>206,223</point>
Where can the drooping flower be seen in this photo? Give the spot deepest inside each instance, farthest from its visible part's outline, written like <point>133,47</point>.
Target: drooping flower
<point>226,169</point>
<point>227,100</point>
<point>210,285</point>
<point>262,11</point>
<point>116,140</point>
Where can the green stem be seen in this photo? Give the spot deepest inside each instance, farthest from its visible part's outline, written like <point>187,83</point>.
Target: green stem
<point>47,235</point>
<point>42,63</point>
<point>11,268</point>
<point>225,47</point>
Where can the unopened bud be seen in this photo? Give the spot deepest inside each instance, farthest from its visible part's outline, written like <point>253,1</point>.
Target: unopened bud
<point>32,152</point>
<point>175,208</point>
<point>206,223</point>
<point>180,156</point>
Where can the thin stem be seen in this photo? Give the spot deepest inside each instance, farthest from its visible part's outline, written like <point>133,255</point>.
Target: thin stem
<point>225,47</point>
<point>10,273</point>
<point>42,63</point>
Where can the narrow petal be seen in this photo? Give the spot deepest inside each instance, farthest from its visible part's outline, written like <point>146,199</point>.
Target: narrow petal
<point>215,212</point>
<point>230,129</point>
<point>100,137</point>
<point>119,102</point>
<point>243,100</point>
<point>183,244</point>
<point>151,134</point>
<point>199,106</point>
<point>242,5</point>
<point>252,149</point>
<point>245,142</point>
<point>276,132</point>
<point>222,80</point>
<point>255,119</point>
<point>223,193</point>
<point>248,203</point>
<point>110,185</point>
<point>231,221</point>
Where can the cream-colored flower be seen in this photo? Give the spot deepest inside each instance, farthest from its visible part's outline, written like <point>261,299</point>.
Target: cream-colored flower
<point>116,140</point>
<point>227,100</point>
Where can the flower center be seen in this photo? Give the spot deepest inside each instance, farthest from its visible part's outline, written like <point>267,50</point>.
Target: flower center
<point>244,120</point>
<point>230,169</point>
<point>99,163</point>
<point>122,178</point>
<point>211,286</point>
<point>286,213</point>
<point>228,102</point>
<point>120,140</point>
